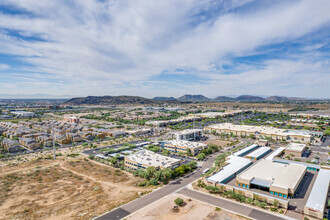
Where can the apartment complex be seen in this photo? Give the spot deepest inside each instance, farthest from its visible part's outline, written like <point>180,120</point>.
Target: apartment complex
<point>144,159</point>
<point>183,146</point>
<point>278,179</point>
<point>262,132</point>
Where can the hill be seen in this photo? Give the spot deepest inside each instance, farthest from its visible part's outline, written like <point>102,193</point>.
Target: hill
<point>115,100</point>
<point>249,98</point>
<point>164,98</point>
<point>224,99</point>
<point>284,98</point>
<point>194,98</point>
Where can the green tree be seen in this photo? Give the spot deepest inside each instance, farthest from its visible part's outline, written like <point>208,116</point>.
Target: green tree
<point>201,156</point>
<point>113,161</point>
<point>150,172</point>
<point>178,201</point>
<point>153,182</point>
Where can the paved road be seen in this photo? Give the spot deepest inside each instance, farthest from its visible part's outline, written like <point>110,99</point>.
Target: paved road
<point>174,186</point>
<point>231,206</point>
<point>137,204</point>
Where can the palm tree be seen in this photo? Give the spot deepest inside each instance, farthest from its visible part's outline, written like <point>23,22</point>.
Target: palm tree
<point>151,172</point>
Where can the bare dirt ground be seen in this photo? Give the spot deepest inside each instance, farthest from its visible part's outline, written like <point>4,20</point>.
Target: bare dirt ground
<point>68,188</point>
<point>193,209</point>
<point>220,143</point>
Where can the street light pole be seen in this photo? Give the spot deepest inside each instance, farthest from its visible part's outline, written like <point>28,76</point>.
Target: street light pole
<point>53,139</point>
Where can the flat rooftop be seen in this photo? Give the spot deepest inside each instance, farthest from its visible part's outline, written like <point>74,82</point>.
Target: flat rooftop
<point>296,147</point>
<point>245,150</point>
<point>184,143</point>
<point>275,153</point>
<point>259,152</point>
<point>319,193</point>
<point>152,159</point>
<point>234,165</point>
<point>280,175</point>
<point>188,131</point>
<point>258,129</point>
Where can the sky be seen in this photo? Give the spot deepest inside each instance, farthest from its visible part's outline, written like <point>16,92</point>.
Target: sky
<point>165,48</point>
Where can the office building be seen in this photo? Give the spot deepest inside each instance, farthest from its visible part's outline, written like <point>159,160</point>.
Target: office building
<point>144,159</point>
<point>281,180</point>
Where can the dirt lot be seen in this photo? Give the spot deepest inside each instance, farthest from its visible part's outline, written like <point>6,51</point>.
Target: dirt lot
<point>63,189</point>
<point>220,143</point>
<point>193,209</point>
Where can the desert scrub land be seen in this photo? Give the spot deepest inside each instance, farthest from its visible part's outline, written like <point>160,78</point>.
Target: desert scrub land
<point>68,188</point>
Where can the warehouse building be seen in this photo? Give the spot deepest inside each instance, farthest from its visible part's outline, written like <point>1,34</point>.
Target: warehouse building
<point>234,166</point>
<point>295,149</point>
<point>316,203</point>
<point>246,150</point>
<point>144,159</point>
<point>261,132</point>
<point>309,166</point>
<point>275,153</point>
<point>278,179</point>
<point>259,153</point>
<point>183,146</point>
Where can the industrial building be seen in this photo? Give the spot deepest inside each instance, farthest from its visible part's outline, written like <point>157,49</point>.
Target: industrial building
<point>275,153</point>
<point>183,146</point>
<point>234,166</point>
<point>278,179</point>
<point>295,149</point>
<point>262,132</point>
<point>144,159</point>
<point>316,204</point>
<point>246,150</point>
<point>259,153</point>
<point>189,134</point>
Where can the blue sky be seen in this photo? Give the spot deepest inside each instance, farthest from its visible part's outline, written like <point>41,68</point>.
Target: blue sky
<point>165,48</point>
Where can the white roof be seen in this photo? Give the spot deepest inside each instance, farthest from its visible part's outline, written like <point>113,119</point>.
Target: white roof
<point>188,131</point>
<point>275,153</point>
<point>259,152</point>
<point>319,193</point>
<point>267,130</point>
<point>246,149</point>
<point>296,147</point>
<point>286,176</point>
<point>188,144</point>
<point>152,159</point>
<point>235,164</point>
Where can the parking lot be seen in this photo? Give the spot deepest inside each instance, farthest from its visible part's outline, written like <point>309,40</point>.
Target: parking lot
<point>302,193</point>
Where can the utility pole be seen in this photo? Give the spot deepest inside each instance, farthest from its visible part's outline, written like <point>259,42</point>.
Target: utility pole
<point>53,139</point>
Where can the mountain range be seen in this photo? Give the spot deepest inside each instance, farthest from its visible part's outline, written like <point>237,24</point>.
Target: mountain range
<point>119,100</point>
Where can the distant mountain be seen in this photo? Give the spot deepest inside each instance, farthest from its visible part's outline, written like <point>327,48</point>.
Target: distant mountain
<point>283,98</point>
<point>249,98</point>
<point>115,100</point>
<point>224,98</point>
<point>164,99</point>
<point>194,98</point>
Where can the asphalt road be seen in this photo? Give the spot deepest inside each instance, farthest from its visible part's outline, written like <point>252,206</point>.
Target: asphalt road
<point>228,205</point>
<point>175,185</point>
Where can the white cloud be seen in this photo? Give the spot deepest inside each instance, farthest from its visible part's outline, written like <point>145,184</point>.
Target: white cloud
<point>107,44</point>
<point>4,66</point>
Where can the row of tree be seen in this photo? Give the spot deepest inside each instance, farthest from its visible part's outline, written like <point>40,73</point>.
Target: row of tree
<point>166,174</point>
